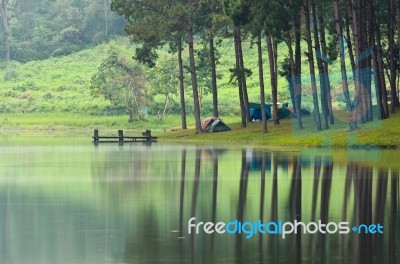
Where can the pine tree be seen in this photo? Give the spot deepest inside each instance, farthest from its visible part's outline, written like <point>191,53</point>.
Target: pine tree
<point>310,55</point>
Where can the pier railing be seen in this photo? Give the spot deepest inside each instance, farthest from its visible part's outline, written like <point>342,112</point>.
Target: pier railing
<point>121,138</point>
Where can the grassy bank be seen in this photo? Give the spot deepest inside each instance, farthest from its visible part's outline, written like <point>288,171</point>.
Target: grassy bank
<point>64,121</point>
<point>70,121</point>
<point>383,134</point>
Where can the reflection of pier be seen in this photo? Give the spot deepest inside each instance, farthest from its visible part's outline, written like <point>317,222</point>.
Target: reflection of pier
<point>121,139</point>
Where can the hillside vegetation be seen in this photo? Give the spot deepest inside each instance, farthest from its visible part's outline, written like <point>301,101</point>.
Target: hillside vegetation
<point>62,84</point>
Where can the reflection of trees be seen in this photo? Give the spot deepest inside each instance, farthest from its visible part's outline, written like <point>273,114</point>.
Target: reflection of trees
<point>146,244</point>
<point>262,195</point>
<point>214,197</point>
<point>347,191</point>
<point>380,204</point>
<point>325,199</point>
<point>244,175</point>
<point>363,212</point>
<point>367,247</point>
<point>317,172</point>
<point>182,190</point>
<point>295,205</point>
<point>6,215</point>
<point>181,201</point>
<point>194,195</point>
<point>122,172</point>
<point>273,245</point>
<point>394,243</point>
<point>364,200</point>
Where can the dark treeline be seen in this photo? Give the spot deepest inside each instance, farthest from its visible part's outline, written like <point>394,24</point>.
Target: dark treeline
<point>38,29</point>
<point>363,35</point>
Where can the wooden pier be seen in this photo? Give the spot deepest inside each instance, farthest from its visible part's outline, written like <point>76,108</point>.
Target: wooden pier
<point>121,139</point>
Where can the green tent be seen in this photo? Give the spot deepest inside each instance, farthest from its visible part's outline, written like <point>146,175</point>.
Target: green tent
<point>218,126</point>
<point>284,112</point>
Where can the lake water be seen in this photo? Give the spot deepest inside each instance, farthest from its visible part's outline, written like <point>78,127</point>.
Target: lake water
<point>62,200</point>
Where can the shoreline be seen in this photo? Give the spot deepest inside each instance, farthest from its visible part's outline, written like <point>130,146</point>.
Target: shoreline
<point>380,134</point>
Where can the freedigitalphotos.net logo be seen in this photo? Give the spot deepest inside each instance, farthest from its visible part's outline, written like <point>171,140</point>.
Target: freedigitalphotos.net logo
<point>280,228</point>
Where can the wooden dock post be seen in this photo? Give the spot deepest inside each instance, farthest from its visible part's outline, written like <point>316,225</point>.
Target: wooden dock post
<point>148,135</point>
<point>121,137</point>
<point>96,137</point>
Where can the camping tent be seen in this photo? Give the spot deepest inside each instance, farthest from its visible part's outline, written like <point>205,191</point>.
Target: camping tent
<point>207,122</point>
<point>284,112</point>
<point>218,126</point>
<point>255,111</point>
<point>214,124</point>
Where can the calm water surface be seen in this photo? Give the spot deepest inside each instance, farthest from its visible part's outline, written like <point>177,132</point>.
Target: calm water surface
<point>63,200</point>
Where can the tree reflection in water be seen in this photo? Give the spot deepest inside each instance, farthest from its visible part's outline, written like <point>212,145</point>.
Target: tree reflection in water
<point>216,184</point>
<point>135,205</point>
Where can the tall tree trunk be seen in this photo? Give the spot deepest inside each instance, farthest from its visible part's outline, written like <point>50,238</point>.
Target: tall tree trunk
<point>326,65</point>
<point>362,63</point>
<point>363,77</point>
<point>322,79</point>
<point>274,86</point>
<point>181,85</point>
<point>291,87</point>
<point>359,17</point>
<point>213,77</point>
<point>350,45</point>
<point>275,49</point>
<point>398,28</point>
<point>194,80</point>
<point>294,84</point>
<point>239,78</point>
<point>381,67</point>
<point>166,103</point>
<point>291,78</point>
<point>375,64</point>
<point>310,54</point>
<point>368,62</point>
<point>357,102</point>
<point>244,84</point>
<point>390,19</point>
<point>339,33</point>
<point>182,190</point>
<point>297,69</point>
<point>6,30</point>
<point>131,119</point>
<point>261,77</point>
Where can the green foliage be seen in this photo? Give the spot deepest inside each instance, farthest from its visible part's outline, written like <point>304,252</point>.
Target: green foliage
<point>238,11</point>
<point>62,84</point>
<point>164,77</point>
<point>146,55</point>
<point>121,82</point>
<point>237,72</point>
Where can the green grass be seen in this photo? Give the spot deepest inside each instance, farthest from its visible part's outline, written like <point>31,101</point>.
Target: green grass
<point>69,121</point>
<point>381,134</point>
<point>63,121</point>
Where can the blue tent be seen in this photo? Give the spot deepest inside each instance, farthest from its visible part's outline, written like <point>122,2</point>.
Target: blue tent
<point>255,111</point>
